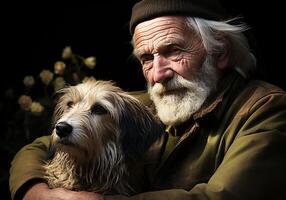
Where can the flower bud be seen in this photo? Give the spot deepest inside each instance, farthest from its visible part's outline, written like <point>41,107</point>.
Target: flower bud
<point>59,67</point>
<point>46,76</point>
<point>29,81</point>
<point>25,102</point>
<point>90,62</point>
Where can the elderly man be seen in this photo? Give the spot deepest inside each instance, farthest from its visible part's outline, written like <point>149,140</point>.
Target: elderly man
<point>225,133</point>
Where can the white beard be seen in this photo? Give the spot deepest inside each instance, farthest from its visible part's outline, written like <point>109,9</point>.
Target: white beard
<point>178,99</point>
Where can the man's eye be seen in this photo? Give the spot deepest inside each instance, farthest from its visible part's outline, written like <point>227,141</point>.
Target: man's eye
<point>171,51</point>
<point>146,58</point>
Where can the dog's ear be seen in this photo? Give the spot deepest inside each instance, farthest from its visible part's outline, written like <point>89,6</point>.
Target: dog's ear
<point>140,129</point>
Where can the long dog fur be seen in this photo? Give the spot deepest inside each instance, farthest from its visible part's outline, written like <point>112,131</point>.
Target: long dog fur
<point>111,133</point>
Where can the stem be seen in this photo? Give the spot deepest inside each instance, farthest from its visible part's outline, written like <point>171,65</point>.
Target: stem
<point>46,91</point>
<point>26,126</point>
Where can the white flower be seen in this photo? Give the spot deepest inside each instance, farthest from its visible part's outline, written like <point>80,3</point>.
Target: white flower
<point>29,81</point>
<point>59,67</point>
<point>67,53</point>
<point>46,76</point>
<point>25,102</point>
<point>59,83</point>
<point>90,62</point>
<point>36,108</point>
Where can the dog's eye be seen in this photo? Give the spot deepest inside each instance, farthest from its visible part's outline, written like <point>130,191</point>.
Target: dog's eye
<point>69,104</point>
<point>98,110</point>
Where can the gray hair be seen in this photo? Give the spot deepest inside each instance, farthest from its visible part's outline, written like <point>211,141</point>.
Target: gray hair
<point>214,35</point>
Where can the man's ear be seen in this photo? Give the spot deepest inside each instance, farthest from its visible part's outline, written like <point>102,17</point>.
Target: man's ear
<point>222,57</point>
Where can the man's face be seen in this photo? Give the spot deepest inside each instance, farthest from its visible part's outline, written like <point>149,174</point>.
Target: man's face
<point>179,74</point>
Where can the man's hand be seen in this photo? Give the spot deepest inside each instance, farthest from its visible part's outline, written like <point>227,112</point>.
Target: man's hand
<point>41,191</point>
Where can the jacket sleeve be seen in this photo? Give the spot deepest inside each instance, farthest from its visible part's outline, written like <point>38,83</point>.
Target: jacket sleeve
<point>253,168</point>
<point>26,166</point>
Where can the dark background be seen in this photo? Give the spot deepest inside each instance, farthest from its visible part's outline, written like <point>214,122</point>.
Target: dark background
<point>33,36</point>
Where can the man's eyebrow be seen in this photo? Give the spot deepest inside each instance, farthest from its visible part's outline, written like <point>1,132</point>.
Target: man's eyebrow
<point>139,52</point>
<point>165,45</point>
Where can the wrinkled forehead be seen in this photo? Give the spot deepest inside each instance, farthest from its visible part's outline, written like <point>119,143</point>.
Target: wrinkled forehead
<point>161,25</point>
<point>160,31</point>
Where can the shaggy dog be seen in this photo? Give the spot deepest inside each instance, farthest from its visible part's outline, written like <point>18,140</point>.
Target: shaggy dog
<point>100,139</point>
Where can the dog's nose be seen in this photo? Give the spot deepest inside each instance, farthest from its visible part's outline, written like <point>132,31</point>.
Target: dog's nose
<point>63,129</point>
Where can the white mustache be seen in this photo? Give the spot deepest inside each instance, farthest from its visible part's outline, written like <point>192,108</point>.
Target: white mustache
<point>175,83</point>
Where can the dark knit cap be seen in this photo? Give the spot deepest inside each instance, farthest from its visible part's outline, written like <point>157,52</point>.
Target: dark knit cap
<point>149,9</point>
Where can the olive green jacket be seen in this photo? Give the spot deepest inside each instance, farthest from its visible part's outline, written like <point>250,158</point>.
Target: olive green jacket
<point>233,148</point>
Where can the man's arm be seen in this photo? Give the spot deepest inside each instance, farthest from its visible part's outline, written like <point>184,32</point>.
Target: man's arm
<point>253,168</point>
<point>26,166</point>
<point>27,176</point>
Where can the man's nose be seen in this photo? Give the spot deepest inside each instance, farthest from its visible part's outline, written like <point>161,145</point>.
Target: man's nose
<point>162,69</point>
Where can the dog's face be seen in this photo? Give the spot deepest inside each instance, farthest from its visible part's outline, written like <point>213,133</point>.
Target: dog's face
<point>96,119</point>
